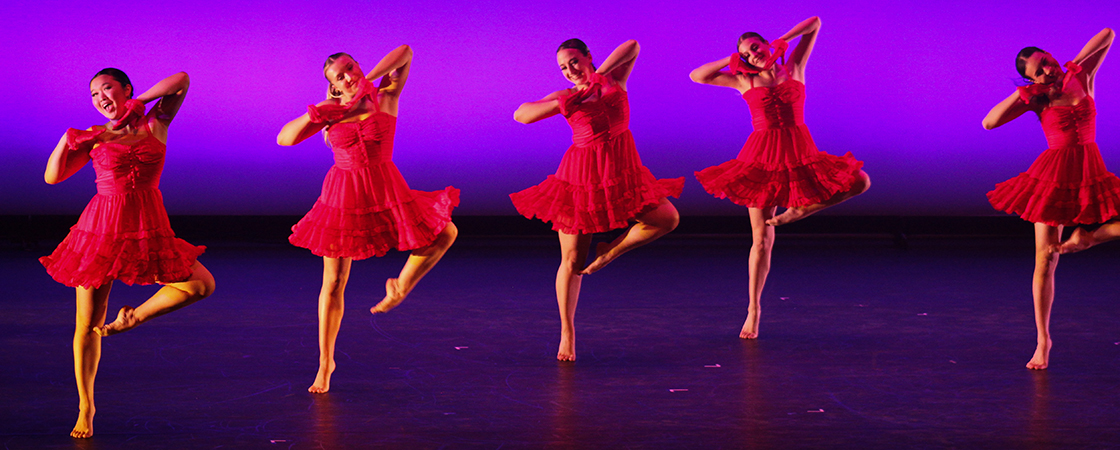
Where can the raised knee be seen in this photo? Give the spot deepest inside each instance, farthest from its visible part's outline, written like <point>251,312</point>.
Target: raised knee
<point>864,183</point>
<point>672,221</point>
<point>449,233</point>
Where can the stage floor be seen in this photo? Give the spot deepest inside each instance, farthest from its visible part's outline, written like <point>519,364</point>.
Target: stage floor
<point>863,345</point>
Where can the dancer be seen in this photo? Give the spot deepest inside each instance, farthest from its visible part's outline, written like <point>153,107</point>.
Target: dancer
<point>779,165</point>
<point>365,208</point>
<point>1068,184</point>
<point>123,233</point>
<point>601,183</point>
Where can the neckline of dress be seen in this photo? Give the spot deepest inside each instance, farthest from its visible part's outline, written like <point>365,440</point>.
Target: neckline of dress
<point>1087,98</point>
<point>773,86</point>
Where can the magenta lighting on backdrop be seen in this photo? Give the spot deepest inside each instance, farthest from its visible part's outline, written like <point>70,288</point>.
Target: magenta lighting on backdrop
<point>901,84</point>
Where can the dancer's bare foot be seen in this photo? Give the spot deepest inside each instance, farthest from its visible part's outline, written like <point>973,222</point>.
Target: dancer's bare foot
<point>322,379</point>
<point>750,326</point>
<point>393,297</point>
<point>794,214</point>
<point>1041,357</point>
<point>126,320</point>
<point>567,351</point>
<point>84,428</point>
<point>603,256</point>
<point>1078,241</point>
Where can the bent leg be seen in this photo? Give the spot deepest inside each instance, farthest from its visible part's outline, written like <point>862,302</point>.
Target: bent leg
<point>336,272</point>
<point>794,214</point>
<point>91,307</point>
<point>419,263</point>
<point>171,297</point>
<point>1045,263</point>
<point>651,226</point>
<point>762,242</point>
<point>573,253</point>
<point>1082,240</point>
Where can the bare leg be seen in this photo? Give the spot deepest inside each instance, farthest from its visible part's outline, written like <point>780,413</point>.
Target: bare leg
<point>419,263</point>
<point>573,252</point>
<point>171,297</point>
<point>336,272</point>
<point>762,235</point>
<point>1045,262</point>
<point>651,225</point>
<point>794,214</point>
<point>1081,239</point>
<point>91,306</point>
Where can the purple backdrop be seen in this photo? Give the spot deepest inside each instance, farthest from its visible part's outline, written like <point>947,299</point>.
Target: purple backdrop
<point>901,84</point>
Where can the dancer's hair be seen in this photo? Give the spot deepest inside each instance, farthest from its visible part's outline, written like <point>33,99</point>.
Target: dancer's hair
<point>332,92</point>
<point>1021,61</point>
<point>116,74</point>
<point>749,35</point>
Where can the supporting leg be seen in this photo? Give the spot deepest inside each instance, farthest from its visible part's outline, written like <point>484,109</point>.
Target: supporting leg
<point>762,242</point>
<point>91,307</point>
<point>573,253</point>
<point>1045,263</point>
<point>336,272</point>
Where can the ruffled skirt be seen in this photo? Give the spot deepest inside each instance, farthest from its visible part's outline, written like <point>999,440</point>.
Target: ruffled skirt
<point>597,188</point>
<point>368,211</point>
<point>1063,187</point>
<point>123,237</point>
<point>781,167</point>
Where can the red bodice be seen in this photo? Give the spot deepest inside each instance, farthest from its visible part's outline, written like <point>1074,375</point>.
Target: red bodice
<point>1070,125</point>
<point>777,106</point>
<point>598,121</point>
<point>363,143</point>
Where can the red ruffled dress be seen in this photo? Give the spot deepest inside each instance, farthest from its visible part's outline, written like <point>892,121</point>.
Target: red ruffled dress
<point>780,165</point>
<point>1068,183</point>
<point>601,183</point>
<point>123,234</point>
<point>366,208</point>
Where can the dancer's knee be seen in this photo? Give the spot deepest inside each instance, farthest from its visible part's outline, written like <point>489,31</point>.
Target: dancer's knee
<point>863,184</point>
<point>448,235</point>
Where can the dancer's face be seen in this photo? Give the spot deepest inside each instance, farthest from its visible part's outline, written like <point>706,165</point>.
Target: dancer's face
<point>754,51</point>
<point>575,65</point>
<point>108,96</point>
<point>344,74</point>
<point>1041,67</point>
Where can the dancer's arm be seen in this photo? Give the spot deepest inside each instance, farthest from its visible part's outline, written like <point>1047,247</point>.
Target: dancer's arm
<point>393,71</point>
<point>541,109</point>
<point>64,162</point>
<point>1092,55</point>
<point>301,127</point>
<point>170,92</point>
<point>621,62</point>
<point>1007,110</point>
<point>808,30</point>
<point>711,73</point>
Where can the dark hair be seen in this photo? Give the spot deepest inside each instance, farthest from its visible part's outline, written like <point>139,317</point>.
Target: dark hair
<point>574,44</point>
<point>1021,60</point>
<point>749,35</point>
<point>330,60</point>
<point>116,74</point>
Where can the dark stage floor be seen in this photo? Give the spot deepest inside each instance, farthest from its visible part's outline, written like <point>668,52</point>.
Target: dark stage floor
<point>864,345</point>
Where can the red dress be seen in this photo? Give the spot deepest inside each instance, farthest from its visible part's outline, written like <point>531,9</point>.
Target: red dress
<point>366,208</point>
<point>780,165</point>
<point>1068,183</point>
<point>123,233</point>
<point>601,183</point>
